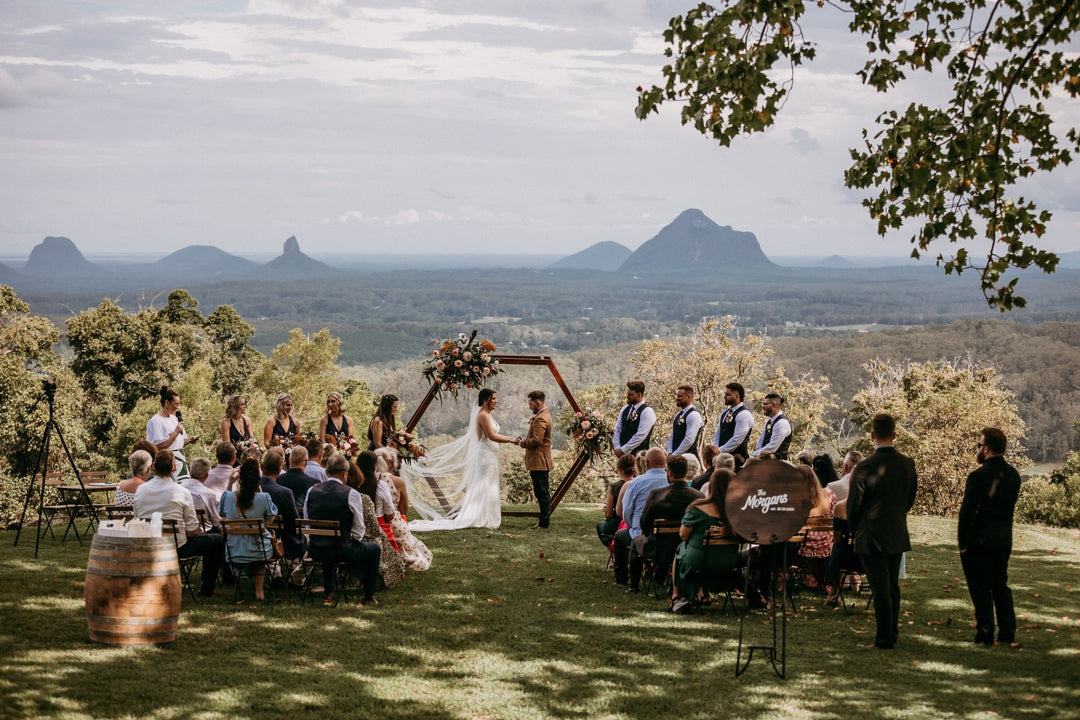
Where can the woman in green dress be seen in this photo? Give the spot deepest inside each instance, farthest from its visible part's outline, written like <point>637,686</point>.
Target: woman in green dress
<point>691,556</point>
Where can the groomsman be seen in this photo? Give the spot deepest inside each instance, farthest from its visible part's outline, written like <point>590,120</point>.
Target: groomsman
<point>686,427</point>
<point>633,428</point>
<point>733,430</point>
<point>776,437</point>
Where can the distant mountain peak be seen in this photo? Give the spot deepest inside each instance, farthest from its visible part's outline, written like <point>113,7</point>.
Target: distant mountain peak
<point>57,256</point>
<point>693,240</point>
<point>292,264</point>
<point>292,246</point>
<point>606,255</point>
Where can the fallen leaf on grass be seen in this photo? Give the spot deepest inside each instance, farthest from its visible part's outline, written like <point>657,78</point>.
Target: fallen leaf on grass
<point>493,602</point>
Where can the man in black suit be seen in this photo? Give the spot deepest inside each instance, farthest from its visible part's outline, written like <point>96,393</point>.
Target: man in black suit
<point>882,491</point>
<point>984,532</point>
<point>667,503</point>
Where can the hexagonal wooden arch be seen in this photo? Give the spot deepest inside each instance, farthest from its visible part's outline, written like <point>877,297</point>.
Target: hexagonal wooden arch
<point>571,474</point>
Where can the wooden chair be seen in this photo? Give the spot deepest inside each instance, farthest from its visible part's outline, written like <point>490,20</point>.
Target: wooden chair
<point>61,505</point>
<point>851,572</point>
<point>118,512</point>
<point>188,565</point>
<point>310,528</point>
<point>658,564</point>
<point>719,539</point>
<point>255,527</point>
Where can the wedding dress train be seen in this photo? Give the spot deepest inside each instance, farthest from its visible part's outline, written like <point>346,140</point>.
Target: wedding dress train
<point>467,474</point>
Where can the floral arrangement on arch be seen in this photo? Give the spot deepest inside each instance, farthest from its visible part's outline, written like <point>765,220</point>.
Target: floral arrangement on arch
<point>461,362</point>
<point>591,433</point>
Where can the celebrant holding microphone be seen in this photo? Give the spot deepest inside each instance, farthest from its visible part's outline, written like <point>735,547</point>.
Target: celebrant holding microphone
<point>165,430</point>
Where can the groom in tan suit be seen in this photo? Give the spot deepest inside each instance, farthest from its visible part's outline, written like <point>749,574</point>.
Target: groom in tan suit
<point>537,444</point>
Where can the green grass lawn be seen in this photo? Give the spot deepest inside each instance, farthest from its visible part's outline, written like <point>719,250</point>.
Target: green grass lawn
<point>519,623</point>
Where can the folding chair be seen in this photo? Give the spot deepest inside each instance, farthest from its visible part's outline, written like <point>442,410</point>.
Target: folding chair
<point>658,565</point>
<point>249,527</point>
<point>310,528</point>
<point>187,564</point>
<point>719,539</point>
<point>61,507</point>
<point>812,566</point>
<point>118,512</point>
<point>851,570</point>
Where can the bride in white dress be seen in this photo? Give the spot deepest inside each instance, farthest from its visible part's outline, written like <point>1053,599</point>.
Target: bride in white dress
<point>473,462</point>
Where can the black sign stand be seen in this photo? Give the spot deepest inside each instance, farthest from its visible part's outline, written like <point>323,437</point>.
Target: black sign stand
<point>776,653</point>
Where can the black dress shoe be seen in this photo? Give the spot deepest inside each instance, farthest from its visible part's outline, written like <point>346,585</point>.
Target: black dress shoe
<point>983,640</point>
<point>633,589</point>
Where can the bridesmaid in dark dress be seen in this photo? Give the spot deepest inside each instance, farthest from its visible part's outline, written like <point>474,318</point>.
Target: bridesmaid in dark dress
<point>335,421</point>
<point>381,429</point>
<point>235,427</point>
<point>282,424</point>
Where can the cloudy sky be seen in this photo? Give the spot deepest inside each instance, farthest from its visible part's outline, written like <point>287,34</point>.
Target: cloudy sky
<point>371,127</point>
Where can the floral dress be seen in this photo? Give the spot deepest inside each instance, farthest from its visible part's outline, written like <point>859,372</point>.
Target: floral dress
<point>391,566</point>
<point>414,552</point>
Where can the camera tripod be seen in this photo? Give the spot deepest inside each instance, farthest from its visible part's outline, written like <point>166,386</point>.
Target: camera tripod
<point>37,478</point>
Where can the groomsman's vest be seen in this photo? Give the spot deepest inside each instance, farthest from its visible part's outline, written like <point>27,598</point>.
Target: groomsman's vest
<point>781,452</point>
<point>727,430</point>
<point>330,501</point>
<point>630,427</point>
<point>678,429</point>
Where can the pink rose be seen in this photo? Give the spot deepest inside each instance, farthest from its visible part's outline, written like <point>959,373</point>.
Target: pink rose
<point>591,434</point>
<point>454,352</point>
<point>458,363</point>
<point>485,372</point>
<point>485,357</point>
<point>577,414</point>
<point>439,364</point>
<point>585,424</point>
<point>467,355</point>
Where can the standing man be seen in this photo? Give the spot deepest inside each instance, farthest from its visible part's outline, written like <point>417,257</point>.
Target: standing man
<point>634,426</point>
<point>776,437</point>
<point>882,491</point>
<point>537,444</point>
<point>985,537</point>
<point>733,430</point>
<point>686,427</point>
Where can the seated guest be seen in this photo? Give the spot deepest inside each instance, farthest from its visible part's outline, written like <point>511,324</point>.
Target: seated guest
<point>314,466</point>
<point>824,469</point>
<point>391,461</point>
<point>283,498</point>
<point>721,461</point>
<point>161,494</point>
<point>139,462</point>
<point>708,453</point>
<point>642,465</point>
<point>246,503</point>
<point>805,457</point>
<point>146,445</point>
<point>693,466</point>
<point>217,480</point>
<point>665,503</point>
<point>606,528</point>
<point>690,558</point>
<point>414,552</point>
<point>328,451</point>
<point>818,543</point>
<point>842,555</point>
<point>295,478</point>
<point>203,498</point>
<point>333,500</point>
<point>627,565</point>
<point>376,504</point>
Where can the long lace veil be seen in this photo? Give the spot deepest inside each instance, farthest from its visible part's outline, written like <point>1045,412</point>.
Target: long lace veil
<point>452,468</point>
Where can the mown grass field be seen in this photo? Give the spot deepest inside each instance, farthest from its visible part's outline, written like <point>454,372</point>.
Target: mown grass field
<point>519,623</point>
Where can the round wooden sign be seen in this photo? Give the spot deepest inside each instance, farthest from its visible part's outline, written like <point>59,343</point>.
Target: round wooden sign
<point>767,502</point>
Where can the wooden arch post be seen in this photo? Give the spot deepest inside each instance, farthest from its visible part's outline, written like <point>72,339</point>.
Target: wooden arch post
<point>579,462</point>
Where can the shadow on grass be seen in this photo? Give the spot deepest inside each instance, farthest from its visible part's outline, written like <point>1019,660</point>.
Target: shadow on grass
<point>519,623</point>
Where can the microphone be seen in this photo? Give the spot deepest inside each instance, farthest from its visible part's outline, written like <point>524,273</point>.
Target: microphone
<point>179,417</point>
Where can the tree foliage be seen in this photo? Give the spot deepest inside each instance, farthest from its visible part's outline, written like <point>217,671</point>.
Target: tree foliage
<point>956,169</point>
<point>940,409</point>
<point>715,355</point>
<point>305,368</point>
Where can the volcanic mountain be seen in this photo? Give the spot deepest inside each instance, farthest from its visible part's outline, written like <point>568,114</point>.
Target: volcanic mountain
<point>606,256</point>
<point>692,240</point>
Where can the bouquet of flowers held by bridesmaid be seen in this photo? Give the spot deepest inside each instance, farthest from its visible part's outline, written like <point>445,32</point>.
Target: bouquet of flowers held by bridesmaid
<point>407,449</point>
<point>344,443</point>
<point>461,362</point>
<point>243,446</point>
<point>590,432</point>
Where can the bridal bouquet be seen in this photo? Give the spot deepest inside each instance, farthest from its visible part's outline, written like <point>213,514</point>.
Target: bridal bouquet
<point>590,432</point>
<point>461,362</point>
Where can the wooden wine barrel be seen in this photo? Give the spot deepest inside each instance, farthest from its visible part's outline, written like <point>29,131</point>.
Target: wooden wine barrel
<point>132,590</point>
